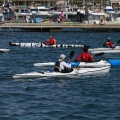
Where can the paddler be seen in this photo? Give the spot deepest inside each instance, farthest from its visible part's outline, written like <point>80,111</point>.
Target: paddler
<point>62,66</point>
<point>85,56</point>
<point>109,43</point>
<point>51,41</point>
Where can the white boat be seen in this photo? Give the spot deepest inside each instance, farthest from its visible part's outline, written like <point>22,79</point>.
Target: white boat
<point>94,17</point>
<point>107,51</point>
<point>100,63</point>
<point>81,71</point>
<point>40,44</point>
<point>40,11</point>
<point>104,49</point>
<point>4,50</point>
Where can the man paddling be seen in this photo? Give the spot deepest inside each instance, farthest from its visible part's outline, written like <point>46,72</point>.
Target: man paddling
<point>62,66</point>
<point>51,41</point>
<point>85,56</point>
<point>109,43</point>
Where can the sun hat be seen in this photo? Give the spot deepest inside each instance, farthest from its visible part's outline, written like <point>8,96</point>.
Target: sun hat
<point>62,57</point>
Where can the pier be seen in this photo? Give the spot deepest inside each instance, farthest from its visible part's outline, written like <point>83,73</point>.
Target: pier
<point>53,26</point>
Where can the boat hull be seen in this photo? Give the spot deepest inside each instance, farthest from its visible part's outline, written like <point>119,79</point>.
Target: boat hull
<point>81,71</point>
<point>100,63</point>
<point>104,49</point>
<point>40,44</point>
<point>4,50</point>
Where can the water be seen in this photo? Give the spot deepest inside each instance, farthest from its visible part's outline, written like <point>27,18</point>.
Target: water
<point>90,97</point>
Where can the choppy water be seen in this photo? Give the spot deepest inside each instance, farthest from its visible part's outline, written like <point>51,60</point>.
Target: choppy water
<point>91,97</point>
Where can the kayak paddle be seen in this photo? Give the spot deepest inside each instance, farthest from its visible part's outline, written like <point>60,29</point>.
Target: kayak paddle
<point>118,41</point>
<point>71,55</point>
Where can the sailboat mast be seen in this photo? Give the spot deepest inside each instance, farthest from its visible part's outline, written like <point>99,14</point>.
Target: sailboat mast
<point>64,5</point>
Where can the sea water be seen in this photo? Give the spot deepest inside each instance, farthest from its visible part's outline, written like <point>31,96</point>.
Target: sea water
<point>86,97</point>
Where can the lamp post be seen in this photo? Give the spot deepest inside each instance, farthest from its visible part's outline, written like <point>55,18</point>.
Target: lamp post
<point>86,7</point>
<point>86,10</point>
<point>64,5</point>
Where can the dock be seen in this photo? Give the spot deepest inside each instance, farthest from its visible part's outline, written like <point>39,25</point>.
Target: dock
<point>53,26</point>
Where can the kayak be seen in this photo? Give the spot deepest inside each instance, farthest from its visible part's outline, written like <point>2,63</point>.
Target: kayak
<point>40,44</point>
<point>100,63</point>
<point>4,50</point>
<point>104,49</point>
<point>80,71</point>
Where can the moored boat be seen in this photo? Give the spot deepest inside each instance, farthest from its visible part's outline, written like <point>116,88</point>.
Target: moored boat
<point>104,49</point>
<point>40,44</point>
<point>81,71</point>
<point>4,50</point>
<point>100,63</point>
<point>107,51</point>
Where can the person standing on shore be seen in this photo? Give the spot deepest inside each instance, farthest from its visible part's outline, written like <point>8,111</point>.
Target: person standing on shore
<point>62,16</point>
<point>78,14</point>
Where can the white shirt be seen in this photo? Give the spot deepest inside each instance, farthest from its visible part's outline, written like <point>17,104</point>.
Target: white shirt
<point>64,64</point>
<point>78,10</point>
<point>83,12</point>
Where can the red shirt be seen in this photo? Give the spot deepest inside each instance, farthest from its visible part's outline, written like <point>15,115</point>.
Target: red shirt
<point>85,57</point>
<point>110,44</point>
<point>52,41</point>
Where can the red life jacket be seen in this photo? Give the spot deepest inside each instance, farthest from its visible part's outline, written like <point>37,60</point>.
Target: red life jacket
<point>85,57</point>
<point>52,41</point>
<point>109,44</point>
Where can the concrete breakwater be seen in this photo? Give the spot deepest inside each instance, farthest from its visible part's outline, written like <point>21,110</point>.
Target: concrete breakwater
<point>53,26</point>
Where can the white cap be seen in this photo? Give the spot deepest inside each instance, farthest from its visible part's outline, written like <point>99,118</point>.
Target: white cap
<point>62,57</point>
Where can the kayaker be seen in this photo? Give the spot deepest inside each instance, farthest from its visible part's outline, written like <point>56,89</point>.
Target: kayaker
<point>85,56</point>
<point>109,43</point>
<point>62,66</point>
<point>51,41</point>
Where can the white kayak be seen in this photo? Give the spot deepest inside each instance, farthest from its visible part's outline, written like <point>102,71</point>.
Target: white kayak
<point>4,50</point>
<point>104,49</point>
<point>107,51</point>
<point>81,71</point>
<point>40,44</point>
<point>100,63</point>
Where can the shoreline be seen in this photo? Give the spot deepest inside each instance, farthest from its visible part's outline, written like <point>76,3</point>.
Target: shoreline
<point>48,26</point>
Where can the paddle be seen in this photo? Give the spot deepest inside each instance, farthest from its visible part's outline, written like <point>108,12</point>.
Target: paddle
<point>71,55</point>
<point>118,41</point>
